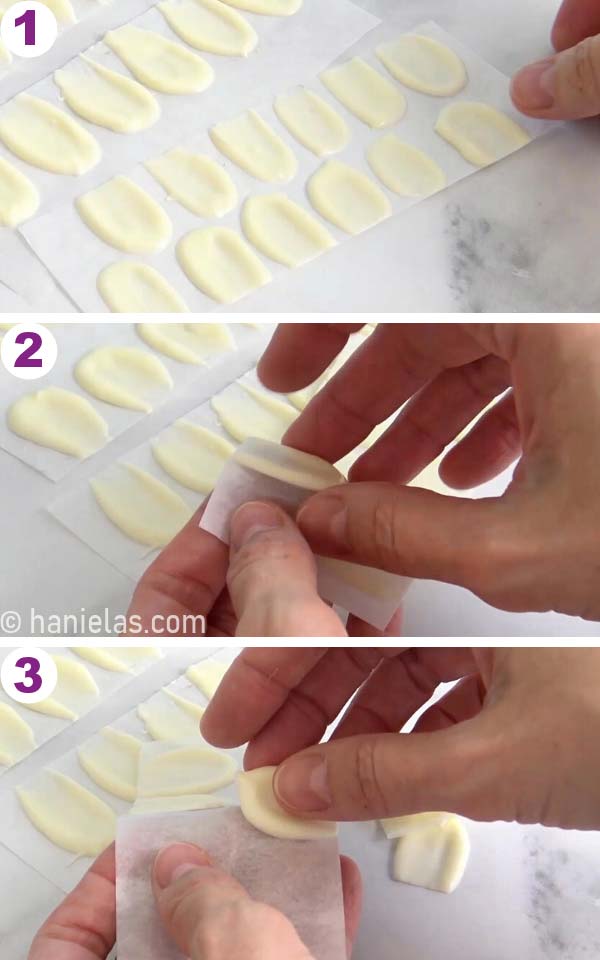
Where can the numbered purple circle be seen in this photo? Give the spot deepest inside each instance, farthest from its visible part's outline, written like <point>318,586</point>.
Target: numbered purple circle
<point>28,28</point>
<point>28,350</point>
<point>28,675</point>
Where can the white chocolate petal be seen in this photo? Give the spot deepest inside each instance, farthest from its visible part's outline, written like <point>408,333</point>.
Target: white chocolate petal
<point>312,121</point>
<point>365,92</point>
<point>125,216</point>
<point>110,759</point>
<point>482,134</point>
<point>187,342</point>
<point>396,827</point>
<point>211,26</point>
<point>130,287</point>
<point>194,710</point>
<point>193,801</point>
<point>405,169</point>
<point>288,465</point>
<point>166,719</point>
<point>424,64</point>
<point>255,415</point>
<point>185,770</point>
<point>207,676</point>
<point>117,659</point>
<point>160,63</point>
<point>192,455</point>
<point>347,197</point>
<point>261,809</point>
<point>107,98</point>
<point>59,419</point>
<point>16,736</point>
<point>142,507</point>
<point>283,230</point>
<point>435,857</point>
<point>70,816</point>
<point>75,691</point>
<point>19,198</point>
<point>46,137</point>
<point>252,144</point>
<point>123,376</point>
<point>221,264</point>
<point>196,182</point>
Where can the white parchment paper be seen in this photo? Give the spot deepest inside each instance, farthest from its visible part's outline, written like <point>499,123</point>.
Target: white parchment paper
<point>302,879</point>
<point>238,484</point>
<point>417,127</point>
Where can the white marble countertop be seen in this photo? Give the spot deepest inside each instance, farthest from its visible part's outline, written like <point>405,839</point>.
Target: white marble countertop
<point>528,892</point>
<point>520,236</point>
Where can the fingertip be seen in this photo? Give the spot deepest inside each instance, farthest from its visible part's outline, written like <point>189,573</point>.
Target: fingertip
<point>175,861</point>
<point>253,519</point>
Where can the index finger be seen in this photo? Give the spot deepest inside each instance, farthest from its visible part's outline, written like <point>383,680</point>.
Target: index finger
<point>83,927</point>
<point>300,352</point>
<point>390,366</point>
<point>254,688</point>
<point>576,20</point>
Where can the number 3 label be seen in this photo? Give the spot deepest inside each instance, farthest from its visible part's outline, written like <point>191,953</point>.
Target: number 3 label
<point>28,351</point>
<point>28,675</point>
<point>28,28</point>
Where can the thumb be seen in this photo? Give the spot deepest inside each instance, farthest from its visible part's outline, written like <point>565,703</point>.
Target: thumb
<point>461,769</point>
<point>272,577</point>
<point>563,87</point>
<point>409,531</point>
<point>210,916</point>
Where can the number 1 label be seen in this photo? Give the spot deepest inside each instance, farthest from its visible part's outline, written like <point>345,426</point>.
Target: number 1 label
<point>28,28</point>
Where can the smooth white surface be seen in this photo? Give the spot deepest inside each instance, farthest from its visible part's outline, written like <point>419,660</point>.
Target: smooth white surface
<point>528,893</point>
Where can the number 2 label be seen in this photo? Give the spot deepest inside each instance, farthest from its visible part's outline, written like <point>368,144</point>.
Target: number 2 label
<point>28,351</point>
<point>28,358</point>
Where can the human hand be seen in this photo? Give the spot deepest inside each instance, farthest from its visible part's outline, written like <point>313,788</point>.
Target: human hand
<point>207,913</point>
<point>264,585</point>
<point>534,548</point>
<point>565,86</point>
<point>210,916</point>
<point>515,739</point>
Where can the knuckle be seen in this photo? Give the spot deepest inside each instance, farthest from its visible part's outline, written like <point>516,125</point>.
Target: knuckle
<point>425,430</point>
<point>586,72</point>
<point>367,774</point>
<point>255,563</point>
<point>385,530</point>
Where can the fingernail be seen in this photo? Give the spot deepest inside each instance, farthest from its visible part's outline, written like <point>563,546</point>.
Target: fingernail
<point>301,783</point>
<point>533,87</point>
<point>176,860</point>
<point>322,520</point>
<point>251,519</point>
